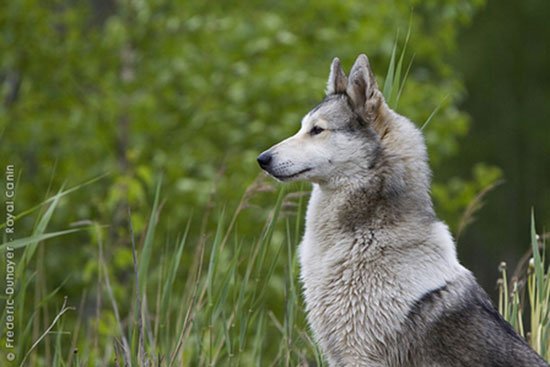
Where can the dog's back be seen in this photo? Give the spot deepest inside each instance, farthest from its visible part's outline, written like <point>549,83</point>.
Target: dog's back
<point>457,326</point>
<point>382,283</point>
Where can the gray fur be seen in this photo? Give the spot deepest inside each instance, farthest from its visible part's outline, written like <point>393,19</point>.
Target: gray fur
<point>382,284</point>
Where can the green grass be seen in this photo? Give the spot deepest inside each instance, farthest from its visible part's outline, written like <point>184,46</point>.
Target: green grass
<point>219,309</point>
<point>527,296</point>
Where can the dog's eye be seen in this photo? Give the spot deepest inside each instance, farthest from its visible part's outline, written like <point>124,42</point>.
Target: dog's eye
<point>316,130</point>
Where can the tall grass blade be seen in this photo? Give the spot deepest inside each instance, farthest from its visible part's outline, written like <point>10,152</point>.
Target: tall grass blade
<point>149,240</point>
<point>34,239</point>
<point>390,75</point>
<point>56,197</point>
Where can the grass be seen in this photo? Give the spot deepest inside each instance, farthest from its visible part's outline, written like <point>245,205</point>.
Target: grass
<point>218,310</point>
<point>526,296</point>
<point>221,309</point>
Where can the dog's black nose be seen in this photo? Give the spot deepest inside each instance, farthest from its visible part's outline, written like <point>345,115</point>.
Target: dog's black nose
<point>264,159</point>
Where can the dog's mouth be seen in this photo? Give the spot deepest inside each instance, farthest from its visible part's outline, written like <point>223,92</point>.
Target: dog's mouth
<point>294,175</point>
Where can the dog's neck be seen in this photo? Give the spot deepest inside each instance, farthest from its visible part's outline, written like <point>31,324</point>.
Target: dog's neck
<point>383,198</point>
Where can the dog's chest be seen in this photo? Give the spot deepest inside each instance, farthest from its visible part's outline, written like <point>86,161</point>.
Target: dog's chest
<point>354,302</point>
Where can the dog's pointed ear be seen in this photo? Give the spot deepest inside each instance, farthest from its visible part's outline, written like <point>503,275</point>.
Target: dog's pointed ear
<point>363,89</point>
<point>337,80</point>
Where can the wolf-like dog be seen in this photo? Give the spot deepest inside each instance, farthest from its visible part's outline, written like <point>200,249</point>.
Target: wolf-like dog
<point>381,280</point>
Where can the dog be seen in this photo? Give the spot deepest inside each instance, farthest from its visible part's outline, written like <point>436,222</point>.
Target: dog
<point>381,281</point>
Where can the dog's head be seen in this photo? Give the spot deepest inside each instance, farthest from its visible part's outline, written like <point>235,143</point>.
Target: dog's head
<point>338,139</point>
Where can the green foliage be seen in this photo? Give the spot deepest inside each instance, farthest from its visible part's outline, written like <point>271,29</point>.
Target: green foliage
<point>195,90</point>
<point>459,199</point>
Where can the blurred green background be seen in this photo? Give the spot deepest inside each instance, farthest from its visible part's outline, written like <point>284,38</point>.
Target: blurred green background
<point>190,92</point>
